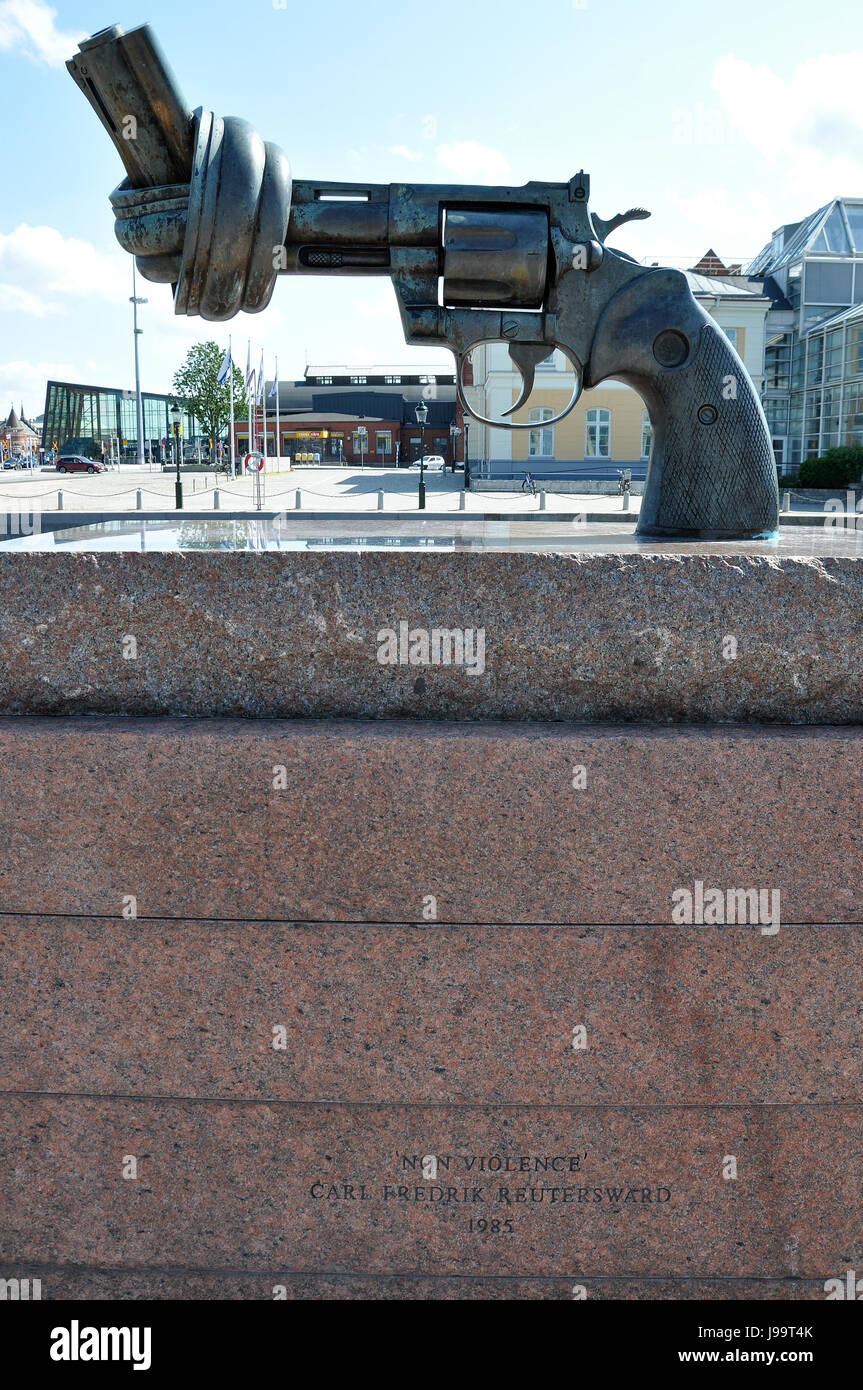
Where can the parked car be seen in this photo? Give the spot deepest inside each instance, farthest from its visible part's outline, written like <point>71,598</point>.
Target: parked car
<point>76,463</point>
<point>433,463</point>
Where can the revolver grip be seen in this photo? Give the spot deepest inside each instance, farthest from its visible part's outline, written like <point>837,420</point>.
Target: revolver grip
<point>711,473</point>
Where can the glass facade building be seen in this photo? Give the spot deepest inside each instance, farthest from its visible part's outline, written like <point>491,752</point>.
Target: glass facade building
<point>813,369</point>
<point>88,419</point>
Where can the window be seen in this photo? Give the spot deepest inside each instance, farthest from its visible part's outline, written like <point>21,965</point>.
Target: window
<point>324,380</point>
<point>816,358</point>
<point>597,434</point>
<point>854,213</point>
<point>833,355</point>
<point>392,380</point>
<point>777,362</point>
<point>427,381</point>
<point>540,442</point>
<point>776,412</point>
<point>852,423</point>
<point>361,441</point>
<point>358,381</point>
<point>828,282</point>
<point>731,335</point>
<point>384,442</point>
<point>646,434</point>
<point>548,364</point>
<point>830,418</point>
<point>854,351</point>
<point>440,443</point>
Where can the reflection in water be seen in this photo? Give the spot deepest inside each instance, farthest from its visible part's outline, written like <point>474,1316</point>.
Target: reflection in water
<point>377,533</point>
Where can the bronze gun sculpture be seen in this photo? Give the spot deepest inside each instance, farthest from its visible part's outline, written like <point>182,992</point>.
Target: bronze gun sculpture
<point>210,209</point>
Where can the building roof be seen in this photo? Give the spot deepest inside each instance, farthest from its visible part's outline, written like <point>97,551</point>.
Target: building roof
<point>13,423</point>
<point>312,417</point>
<point>383,369</point>
<point>834,229</point>
<point>725,286</point>
<point>843,316</point>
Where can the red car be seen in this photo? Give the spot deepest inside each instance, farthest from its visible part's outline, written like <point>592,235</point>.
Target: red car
<point>75,463</point>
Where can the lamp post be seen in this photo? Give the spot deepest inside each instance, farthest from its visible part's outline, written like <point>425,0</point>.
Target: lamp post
<point>175,430</point>
<point>466,459</point>
<point>139,409</point>
<point>422,411</point>
<point>454,433</point>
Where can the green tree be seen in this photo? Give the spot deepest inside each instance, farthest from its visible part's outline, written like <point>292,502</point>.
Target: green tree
<point>196,385</point>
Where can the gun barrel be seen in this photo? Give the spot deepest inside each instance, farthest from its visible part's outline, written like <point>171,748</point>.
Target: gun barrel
<point>488,250</point>
<point>128,82</point>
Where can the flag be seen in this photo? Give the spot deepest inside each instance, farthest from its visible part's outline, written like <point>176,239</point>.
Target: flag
<point>260,396</point>
<point>249,372</point>
<point>275,386</point>
<point>225,367</point>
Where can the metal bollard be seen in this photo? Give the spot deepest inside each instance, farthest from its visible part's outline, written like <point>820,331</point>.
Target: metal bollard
<point>626,501</point>
<point>194,484</point>
<point>786,502</point>
<point>461,497</point>
<point>380,499</point>
<point>216,500</point>
<point>138,500</point>
<point>59,501</point>
<point>299,500</point>
<point>542,500</point>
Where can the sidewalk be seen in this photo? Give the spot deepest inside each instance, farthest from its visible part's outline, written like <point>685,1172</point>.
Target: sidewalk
<point>321,489</point>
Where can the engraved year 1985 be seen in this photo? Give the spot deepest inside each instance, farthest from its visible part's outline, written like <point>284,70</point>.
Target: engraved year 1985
<point>492,1226</point>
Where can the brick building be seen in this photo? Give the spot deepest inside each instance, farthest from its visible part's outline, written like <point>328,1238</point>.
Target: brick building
<point>361,415</point>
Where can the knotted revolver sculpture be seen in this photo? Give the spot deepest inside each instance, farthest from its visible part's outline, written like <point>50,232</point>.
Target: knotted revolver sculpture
<point>211,209</point>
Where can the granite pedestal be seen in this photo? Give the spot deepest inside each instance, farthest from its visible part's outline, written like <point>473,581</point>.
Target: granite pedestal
<point>329,977</point>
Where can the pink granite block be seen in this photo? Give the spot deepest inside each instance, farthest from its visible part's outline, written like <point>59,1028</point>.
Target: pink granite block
<point>432,1014</point>
<point>375,819</point>
<point>329,1189</point>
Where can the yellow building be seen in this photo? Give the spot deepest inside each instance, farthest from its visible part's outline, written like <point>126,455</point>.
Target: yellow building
<point>610,423</point>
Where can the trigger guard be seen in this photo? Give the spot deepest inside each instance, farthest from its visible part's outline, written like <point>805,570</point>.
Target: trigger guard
<point>514,424</point>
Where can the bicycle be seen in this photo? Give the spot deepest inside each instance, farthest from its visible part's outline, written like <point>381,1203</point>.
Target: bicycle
<point>528,485</point>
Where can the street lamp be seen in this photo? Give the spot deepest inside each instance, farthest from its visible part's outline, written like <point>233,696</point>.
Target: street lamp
<point>454,433</point>
<point>422,411</point>
<point>175,430</point>
<point>139,409</point>
<point>466,459</point>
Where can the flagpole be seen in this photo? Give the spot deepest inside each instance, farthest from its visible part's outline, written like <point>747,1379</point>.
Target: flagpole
<point>264,412</point>
<point>231,380</point>
<point>278,427</point>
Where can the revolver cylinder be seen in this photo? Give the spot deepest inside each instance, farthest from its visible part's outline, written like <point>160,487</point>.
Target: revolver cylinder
<point>495,257</point>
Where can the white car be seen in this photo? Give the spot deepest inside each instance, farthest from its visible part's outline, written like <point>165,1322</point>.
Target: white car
<point>432,463</point>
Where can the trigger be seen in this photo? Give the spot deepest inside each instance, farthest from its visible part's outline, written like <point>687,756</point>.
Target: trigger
<point>526,357</point>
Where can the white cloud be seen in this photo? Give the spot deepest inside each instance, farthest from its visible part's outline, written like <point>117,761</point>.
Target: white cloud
<point>471,162</point>
<point>736,226</point>
<point>405,153</point>
<point>809,125</point>
<point>29,25</point>
<point>15,300</point>
<point>378,304</point>
<point>38,264</point>
<point>24,382</point>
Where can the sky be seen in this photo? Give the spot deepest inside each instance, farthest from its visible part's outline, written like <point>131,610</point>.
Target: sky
<point>725,121</point>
